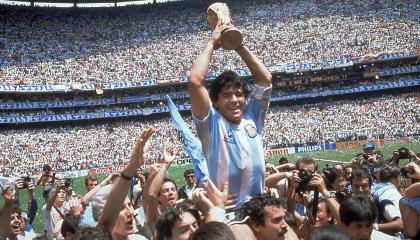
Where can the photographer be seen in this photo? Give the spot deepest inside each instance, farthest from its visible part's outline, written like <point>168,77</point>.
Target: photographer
<point>46,180</point>
<point>22,183</point>
<point>283,180</point>
<point>322,210</point>
<point>369,158</point>
<point>403,153</point>
<point>55,209</point>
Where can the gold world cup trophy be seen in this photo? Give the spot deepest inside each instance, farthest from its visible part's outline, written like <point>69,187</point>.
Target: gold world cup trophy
<point>232,38</point>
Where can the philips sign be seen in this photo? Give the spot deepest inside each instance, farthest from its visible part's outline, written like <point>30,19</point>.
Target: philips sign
<point>312,148</point>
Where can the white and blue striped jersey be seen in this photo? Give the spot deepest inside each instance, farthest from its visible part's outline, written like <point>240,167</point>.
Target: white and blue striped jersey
<point>235,153</point>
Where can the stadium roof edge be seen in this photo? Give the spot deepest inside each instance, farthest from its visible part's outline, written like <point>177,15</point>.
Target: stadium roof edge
<point>74,1</point>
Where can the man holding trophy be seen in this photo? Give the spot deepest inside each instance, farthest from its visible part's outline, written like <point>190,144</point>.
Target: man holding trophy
<point>229,121</point>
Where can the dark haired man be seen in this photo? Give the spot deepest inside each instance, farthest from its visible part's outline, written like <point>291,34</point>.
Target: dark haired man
<point>178,221</point>
<point>361,183</point>
<point>357,216</point>
<point>265,220</point>
<point>185,192</point>
<point>230,126</point>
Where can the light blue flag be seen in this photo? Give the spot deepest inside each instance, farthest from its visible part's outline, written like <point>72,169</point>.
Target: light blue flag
<point>191,144</point>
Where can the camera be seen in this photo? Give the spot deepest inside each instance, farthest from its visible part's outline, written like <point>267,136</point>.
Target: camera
<point>366,156</point>
<point>305,177</point>
<point>26,180</point>
<point>342,195</point>
<point>403,152</point>
<point>67,182</point>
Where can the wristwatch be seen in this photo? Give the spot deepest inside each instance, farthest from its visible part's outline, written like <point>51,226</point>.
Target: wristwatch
<point>327,194</point>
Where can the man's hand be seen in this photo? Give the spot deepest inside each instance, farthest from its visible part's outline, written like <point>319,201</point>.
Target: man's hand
<point>217,197</point>
<point>168,155</point>
<point>318,182</point>
<point>140,150</point>
<point>8,195</point>
<point>294,177</point>
<point>76,207</point>
<point>217,33</point>
<point>31,189</point>
<point>18,184</point>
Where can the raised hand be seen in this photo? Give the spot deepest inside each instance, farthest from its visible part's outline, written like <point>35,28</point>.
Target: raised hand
<point>169,155</point>
<point>75,204</point>
<point>18,184</point>
<point>8,195</point>
<point>217,33</point>
<point>217,197</point>
<point>140,150</point>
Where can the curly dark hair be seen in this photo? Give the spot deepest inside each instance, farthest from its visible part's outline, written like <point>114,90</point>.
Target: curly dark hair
<point>254,208</point>
<point>228,79</point>
<point>166,221</point>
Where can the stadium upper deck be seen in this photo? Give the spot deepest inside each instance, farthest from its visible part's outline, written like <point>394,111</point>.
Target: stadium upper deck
<point>56,46</point>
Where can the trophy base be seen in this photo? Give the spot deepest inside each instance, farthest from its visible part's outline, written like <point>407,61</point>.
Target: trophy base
<point>231,39</point>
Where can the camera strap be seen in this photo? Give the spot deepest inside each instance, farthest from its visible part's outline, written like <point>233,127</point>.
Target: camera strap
<point>315,203</point>
<point>59,212</point>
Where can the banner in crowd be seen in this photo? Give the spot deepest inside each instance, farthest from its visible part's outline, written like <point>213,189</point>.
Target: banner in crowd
<point>280,151</point>
<point>347,90</point>
<point>402,140</point>
<point>354,144</point>
<point>314,148</point>
<point>397,71</point>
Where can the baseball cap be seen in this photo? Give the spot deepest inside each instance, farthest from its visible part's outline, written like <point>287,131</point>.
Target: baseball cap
<point>368,145</point>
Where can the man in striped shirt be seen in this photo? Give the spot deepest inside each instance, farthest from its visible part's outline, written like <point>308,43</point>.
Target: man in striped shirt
<point>229,121</point>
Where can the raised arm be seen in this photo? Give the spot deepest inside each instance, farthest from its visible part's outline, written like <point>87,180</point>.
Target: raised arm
<point>119,191</point>
<point>89,195</point>
<point>151,204</point>
<point>6,213</point>
<point>51,200</point>
<point>199,97</point>
<point>261,74</point>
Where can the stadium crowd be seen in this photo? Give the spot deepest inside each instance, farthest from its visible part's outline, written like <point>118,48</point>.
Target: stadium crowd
<point>51,46</point>
<point>300,201</point>
<point>71,148</point>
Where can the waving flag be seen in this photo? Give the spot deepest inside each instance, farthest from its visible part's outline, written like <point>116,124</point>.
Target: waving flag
<point>191,144</point>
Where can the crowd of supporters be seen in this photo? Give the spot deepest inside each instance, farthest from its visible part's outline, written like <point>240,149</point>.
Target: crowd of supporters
<point>52,46</point>
<point>99,145</point>
<point>376,196</point>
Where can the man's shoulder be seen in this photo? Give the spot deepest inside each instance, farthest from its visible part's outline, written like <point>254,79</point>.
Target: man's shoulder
<point>377,235</point>
<point>242,231</point>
